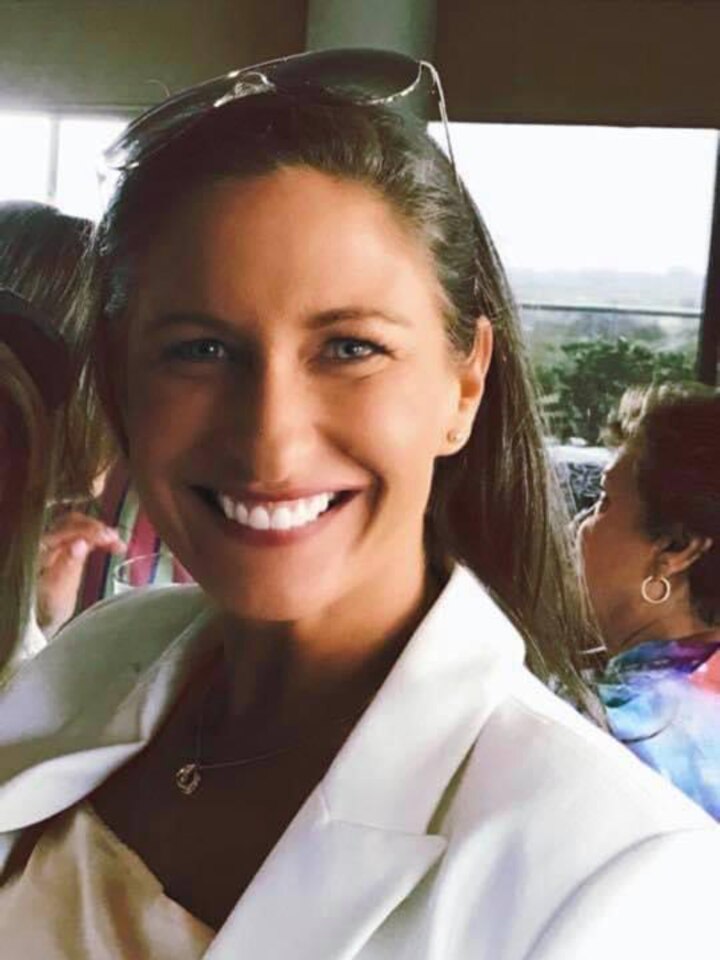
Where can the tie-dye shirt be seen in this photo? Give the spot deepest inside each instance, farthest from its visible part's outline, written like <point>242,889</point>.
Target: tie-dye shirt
<point>662,699</point>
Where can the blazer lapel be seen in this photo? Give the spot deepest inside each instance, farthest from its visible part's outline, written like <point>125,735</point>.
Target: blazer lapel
<point>324,889</point>
<point>360,845</point>
<point>66,723</point>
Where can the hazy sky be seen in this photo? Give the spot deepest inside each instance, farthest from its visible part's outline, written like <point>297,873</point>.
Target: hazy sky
<point>569,198</point>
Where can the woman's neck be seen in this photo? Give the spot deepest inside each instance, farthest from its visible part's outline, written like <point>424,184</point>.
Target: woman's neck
<point>675,625</point>
<point>323,667</point>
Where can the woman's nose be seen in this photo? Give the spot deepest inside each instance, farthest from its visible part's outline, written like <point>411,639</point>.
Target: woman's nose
<point>279,423</point>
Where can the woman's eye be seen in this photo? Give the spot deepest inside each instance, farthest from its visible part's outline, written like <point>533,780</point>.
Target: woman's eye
<point>349,349</point>
<point>198,351</point>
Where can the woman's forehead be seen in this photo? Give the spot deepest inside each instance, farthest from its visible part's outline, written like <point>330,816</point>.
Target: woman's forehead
<point>270,201</point>
<point>269,237</point>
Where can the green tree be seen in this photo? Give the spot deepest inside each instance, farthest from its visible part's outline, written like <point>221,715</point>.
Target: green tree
<point>589,377</point>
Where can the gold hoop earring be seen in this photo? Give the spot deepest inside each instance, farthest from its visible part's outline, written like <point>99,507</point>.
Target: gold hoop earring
<point>667,590</point>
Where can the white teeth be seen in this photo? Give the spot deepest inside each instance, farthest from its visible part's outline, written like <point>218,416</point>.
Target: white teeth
<point>280,515</point>
<point>321,501</point>
<point>259,519</point>
<point>282,519</point>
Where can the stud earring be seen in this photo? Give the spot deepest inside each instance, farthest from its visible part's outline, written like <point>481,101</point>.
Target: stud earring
<point>455,436</point>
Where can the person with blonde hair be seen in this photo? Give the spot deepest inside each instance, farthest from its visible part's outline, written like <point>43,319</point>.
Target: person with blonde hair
<point>331,748</point>
<point>41,255</point>
<point>47,540</point>
<point>34,381</point>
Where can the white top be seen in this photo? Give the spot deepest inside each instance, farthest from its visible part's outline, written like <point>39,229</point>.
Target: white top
<point>84,893</point>
<point>470,815</point>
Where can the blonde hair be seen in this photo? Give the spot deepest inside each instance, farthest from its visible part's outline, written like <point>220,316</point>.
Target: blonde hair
<point>26,477</point>
<point>41,258</point>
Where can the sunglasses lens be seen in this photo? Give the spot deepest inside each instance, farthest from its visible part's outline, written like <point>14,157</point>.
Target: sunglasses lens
<point>378,74</point>
<point>375,75</point>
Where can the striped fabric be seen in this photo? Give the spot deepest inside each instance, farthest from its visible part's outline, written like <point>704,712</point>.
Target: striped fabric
<point>119,507</point>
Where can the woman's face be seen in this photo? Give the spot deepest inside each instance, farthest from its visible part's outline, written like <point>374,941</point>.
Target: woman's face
<point>289,387</point>
<point>617,554</point>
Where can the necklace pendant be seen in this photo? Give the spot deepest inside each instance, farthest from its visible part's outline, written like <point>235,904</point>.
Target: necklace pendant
<point>188,778</point>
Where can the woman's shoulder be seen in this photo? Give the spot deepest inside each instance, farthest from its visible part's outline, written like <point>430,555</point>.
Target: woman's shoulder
<point>554,769</point>
<point>551,814</point>
<point>655,899</point>
<point>536,746</point>
<point>534,741</point>
<point>112,644</point>
<point>137,625</point>
<point>172,602</point>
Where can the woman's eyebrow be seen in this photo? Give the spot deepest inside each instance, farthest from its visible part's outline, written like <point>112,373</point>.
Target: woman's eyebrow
<point>317,321</point>
<point>327,318</point>
<point>165,321</point>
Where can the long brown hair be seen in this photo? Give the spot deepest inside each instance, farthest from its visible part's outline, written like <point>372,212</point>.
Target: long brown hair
<point>495,506</point>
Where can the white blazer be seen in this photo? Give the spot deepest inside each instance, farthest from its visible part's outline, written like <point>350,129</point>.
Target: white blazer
<point>471,815</point>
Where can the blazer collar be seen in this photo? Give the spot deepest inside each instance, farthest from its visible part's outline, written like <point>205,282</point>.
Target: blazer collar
<point>92,700</point>
<point>359,844</point>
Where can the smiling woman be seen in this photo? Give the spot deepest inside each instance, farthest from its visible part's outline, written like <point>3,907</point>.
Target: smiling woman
<point>308,351</point>
<point>301,398</point>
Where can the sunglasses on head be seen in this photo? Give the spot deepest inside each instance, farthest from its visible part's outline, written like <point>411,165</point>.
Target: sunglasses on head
<point>362,75</point>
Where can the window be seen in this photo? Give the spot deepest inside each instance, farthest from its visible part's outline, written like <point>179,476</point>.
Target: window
<point>25,156</point>
<point>81,141</point>
<point>55,159</point>
<point>604,233</point>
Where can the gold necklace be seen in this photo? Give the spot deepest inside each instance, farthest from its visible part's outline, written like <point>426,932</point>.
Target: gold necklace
<point>188,777</point>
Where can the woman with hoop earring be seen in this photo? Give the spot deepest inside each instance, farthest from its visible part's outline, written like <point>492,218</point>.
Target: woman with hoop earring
<point>651,552</point>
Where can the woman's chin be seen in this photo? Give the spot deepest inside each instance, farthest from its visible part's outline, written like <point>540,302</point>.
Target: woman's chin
<point>279,602</point>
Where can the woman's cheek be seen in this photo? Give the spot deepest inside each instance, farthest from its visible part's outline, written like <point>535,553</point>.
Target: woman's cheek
<point>158,402</point>
<point>399,416</point>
